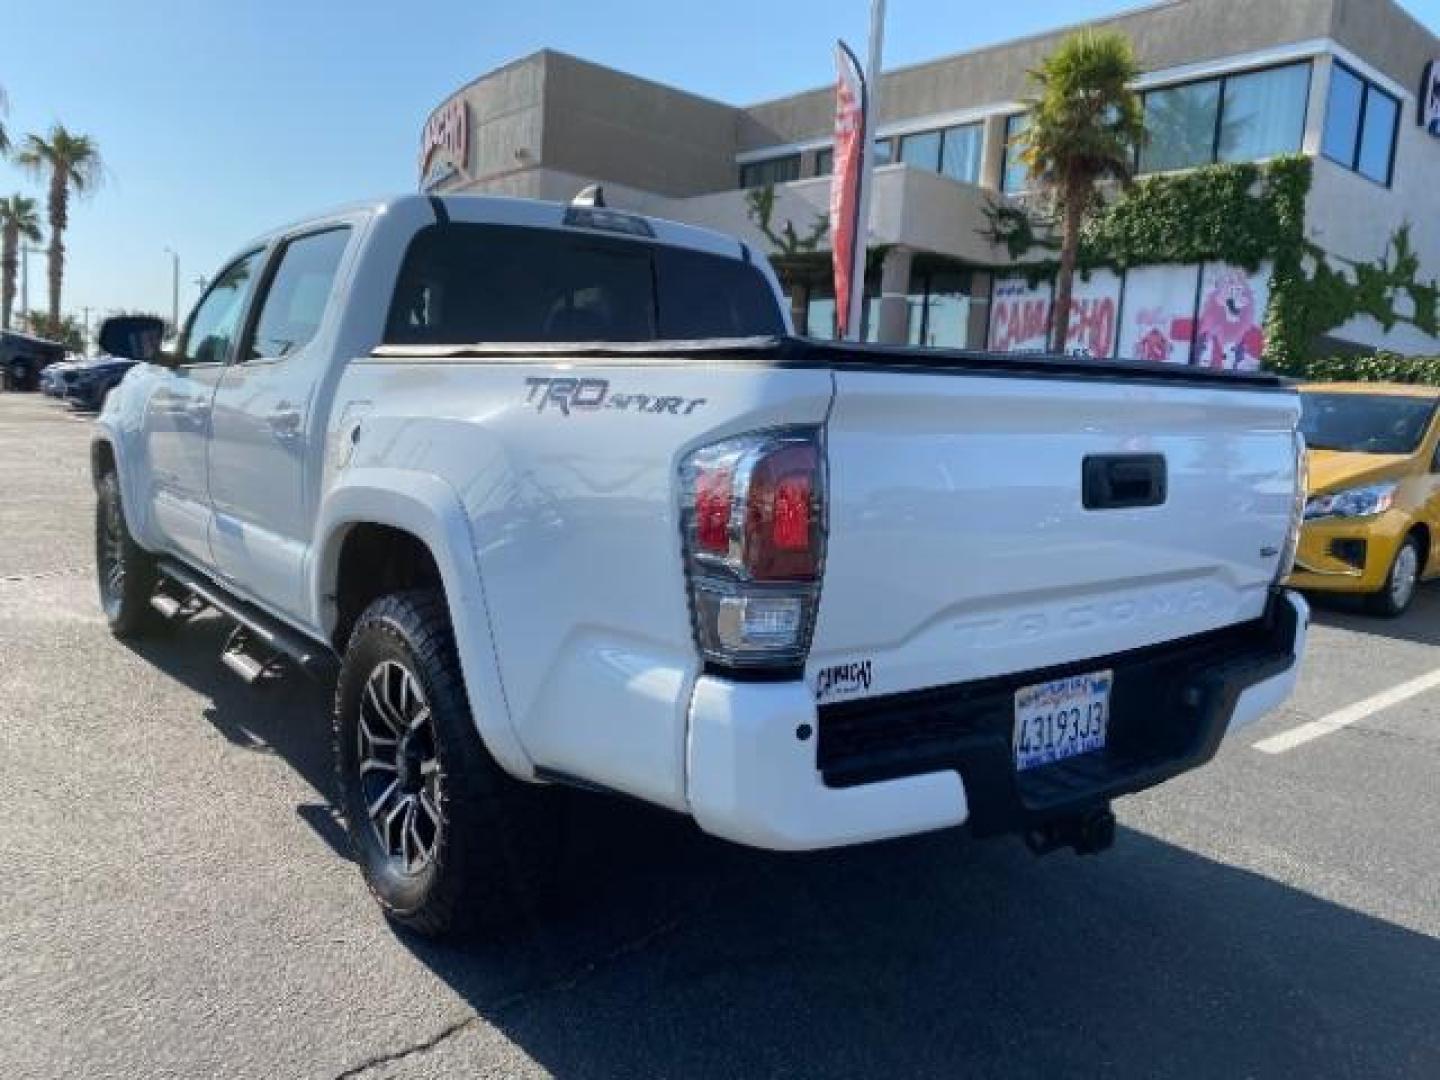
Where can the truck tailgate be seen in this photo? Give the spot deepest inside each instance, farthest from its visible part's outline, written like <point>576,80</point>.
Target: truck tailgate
<point>961,545</point>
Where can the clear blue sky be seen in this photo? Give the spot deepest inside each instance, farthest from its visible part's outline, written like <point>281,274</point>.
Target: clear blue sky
<point>219,119</point>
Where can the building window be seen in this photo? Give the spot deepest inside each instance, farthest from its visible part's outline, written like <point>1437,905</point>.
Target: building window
<point>825,157</point>
<point>1264,113</point>
<point>960,153</point>
<point>940,309</point>
<point>955,151</point>
<point>921,150</point>
<point>1014,176</point>
<point>776,170</point>
<point>1245,117</point>
<point>1360,123</point>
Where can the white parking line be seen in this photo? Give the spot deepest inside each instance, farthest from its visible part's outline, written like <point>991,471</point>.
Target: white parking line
<point>1351,714</point>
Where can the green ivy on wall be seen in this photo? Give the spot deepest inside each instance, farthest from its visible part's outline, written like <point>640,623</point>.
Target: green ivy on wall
<point>1242,214</point>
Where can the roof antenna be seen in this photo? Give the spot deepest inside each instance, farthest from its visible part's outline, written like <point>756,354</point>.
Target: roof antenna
<point>592,195</point>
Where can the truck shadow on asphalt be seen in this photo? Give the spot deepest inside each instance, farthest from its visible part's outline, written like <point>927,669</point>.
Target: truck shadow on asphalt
<point>671,953</point>
<point>1421,624</point>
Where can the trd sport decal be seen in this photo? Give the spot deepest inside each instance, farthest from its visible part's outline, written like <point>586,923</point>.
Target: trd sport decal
<point>592,395</point>
<point>842,680</point>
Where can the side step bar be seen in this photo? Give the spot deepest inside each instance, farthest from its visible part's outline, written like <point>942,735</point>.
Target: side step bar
<point>256,627</point>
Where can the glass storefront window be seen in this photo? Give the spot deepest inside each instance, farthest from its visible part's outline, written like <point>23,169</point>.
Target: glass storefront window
<point>1264,113</point>
<point>824,162</point>
<point>1180,123</point>
<point>1016,177</point>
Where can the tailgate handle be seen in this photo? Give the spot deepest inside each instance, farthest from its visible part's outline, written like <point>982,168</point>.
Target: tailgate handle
<point>1121,481</point>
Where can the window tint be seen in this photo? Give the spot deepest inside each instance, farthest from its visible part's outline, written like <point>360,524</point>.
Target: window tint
<point>1342,116</point>
<point>778,170</point>
<point>292,308</point>
<point>1180,123</point>
<point>1264,113</point>
<point>706,296</point>
<point>215,324</point>
<point>1377,135</point>
<point>1015,176</point>
<point>499,283</point>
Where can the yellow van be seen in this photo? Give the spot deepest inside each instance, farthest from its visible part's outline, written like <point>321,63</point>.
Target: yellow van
<point>1372,517</point>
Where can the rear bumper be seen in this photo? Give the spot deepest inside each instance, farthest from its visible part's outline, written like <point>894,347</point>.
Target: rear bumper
<point>767,769</point>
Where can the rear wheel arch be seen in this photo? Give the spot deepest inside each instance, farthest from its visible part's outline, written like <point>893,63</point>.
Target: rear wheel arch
<point>373,560</point>
<point>413,527</point>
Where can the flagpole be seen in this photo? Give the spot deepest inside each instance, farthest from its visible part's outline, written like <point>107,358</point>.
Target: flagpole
<point>867,169</point>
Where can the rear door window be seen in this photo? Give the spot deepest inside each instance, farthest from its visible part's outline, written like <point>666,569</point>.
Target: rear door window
<point>469,283</point>
<point>295,302</point>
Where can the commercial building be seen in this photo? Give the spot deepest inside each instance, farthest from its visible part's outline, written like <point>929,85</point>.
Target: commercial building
<point>1350,84</point>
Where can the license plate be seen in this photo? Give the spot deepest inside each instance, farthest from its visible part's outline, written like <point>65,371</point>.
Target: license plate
<point>1061,719</point>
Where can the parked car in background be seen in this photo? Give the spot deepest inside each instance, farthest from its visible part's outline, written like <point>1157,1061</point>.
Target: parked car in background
<point>23,357</point>
<point>125,340</point>
<point>1372,516</point>
<point>55,377</point>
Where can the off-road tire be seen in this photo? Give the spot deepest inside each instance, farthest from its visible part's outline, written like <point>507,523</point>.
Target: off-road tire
<point>496,850</point>
<point>126,604</point>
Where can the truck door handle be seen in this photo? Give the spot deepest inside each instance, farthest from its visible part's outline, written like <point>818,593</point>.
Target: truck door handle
<point>285,422</point>
<point>1122,481</point>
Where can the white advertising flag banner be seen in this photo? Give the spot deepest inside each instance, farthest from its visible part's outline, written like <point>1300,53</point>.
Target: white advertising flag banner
<point>1230,324</point>
<point>1159,318</point>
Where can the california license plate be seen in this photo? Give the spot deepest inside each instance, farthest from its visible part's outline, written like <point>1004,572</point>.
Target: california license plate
<point>1061,719</point>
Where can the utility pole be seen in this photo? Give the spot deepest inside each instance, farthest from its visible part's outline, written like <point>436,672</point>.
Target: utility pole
<point>85,315</point>
<point>174,286</point>
<point>25,284</point>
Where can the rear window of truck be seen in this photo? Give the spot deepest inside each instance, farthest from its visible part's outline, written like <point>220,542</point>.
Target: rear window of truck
<point>467,283</point>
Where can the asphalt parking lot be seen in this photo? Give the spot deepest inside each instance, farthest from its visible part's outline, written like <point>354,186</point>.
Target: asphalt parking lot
<point>176,901</point>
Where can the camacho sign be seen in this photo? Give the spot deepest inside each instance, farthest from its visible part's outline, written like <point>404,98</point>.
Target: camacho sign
<point>444,144</point>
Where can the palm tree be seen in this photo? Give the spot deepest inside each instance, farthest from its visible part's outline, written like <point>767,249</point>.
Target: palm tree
<point>68,161</point>
<point>18,221</point>
<point>1085,126</point>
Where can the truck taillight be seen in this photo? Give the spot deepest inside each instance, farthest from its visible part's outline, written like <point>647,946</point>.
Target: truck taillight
<point>753,520</point>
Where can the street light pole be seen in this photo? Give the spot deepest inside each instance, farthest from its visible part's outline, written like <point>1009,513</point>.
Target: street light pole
<point>174,288</point>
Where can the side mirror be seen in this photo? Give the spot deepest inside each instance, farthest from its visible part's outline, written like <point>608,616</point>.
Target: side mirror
<point>166,358</point>
<point>131,337</point>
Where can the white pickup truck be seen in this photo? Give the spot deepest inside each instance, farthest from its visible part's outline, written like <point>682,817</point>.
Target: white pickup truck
<point>555,498</point>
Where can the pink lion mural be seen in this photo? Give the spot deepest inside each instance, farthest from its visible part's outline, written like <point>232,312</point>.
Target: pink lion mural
<point>1229,331</point>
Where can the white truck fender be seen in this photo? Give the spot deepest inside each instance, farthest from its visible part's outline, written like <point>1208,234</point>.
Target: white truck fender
<point>429,508</point>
